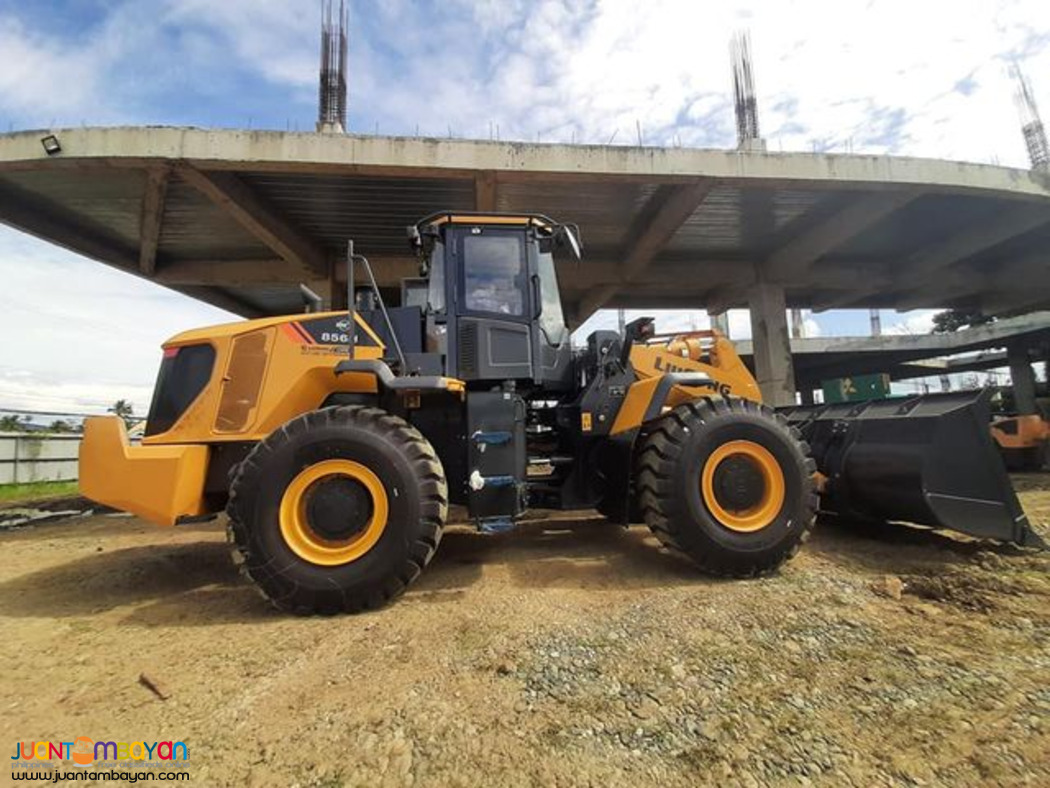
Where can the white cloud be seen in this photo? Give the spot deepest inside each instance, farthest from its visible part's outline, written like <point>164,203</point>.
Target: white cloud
<point>810,326</point>
<point>918,78</point>
<point>919,321</point>
<point>275,38</point>
<point>81,333</point>
<point>34,65</point>
<point>923,79</point>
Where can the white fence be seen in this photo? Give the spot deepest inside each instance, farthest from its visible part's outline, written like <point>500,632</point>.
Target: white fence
<point>29,457</point>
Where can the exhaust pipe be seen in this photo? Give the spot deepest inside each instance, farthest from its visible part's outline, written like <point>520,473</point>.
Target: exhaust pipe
<point>928,460</point>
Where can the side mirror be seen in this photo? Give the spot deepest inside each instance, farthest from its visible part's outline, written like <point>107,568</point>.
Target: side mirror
<point>569,235</point>
<point>415,242</point>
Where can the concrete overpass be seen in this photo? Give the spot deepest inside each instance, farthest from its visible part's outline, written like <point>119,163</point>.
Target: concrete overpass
<point>238,218</point>
<point>1014,342</point>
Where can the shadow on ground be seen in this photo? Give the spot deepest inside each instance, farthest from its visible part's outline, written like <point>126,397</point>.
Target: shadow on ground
<point>195,584</point>
<point>591,554</point>
<point>885,547</point>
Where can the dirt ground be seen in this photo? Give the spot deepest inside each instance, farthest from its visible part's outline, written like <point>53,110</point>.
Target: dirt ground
<point>567,653</point>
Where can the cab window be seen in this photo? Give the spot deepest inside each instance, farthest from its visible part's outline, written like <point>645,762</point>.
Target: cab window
<point>552,321</point>
<point>436,275</point>
<point>494,273</point>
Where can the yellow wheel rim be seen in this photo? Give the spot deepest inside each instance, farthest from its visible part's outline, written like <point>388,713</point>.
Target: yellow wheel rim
<point>758,516</point>
<point>307,543</point>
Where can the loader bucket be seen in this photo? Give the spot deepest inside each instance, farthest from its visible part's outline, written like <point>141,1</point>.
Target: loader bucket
<point>928,460</point>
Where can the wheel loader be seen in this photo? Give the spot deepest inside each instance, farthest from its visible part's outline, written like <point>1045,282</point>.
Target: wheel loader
<point>335,441</point>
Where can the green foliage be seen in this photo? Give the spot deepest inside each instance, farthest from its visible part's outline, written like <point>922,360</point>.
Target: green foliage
<point>13,423</point>
<point>124,409</point>
<point>951,320</point>
<point>36,491</point>
<point>60,425</point>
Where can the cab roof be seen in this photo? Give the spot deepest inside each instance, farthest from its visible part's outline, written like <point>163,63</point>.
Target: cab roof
<point>472,217</point>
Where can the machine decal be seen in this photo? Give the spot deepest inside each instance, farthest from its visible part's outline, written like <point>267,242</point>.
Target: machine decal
<point>334,330</point>
<point>722,388</point>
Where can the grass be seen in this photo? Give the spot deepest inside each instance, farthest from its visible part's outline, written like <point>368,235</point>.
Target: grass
<point>36,491</point>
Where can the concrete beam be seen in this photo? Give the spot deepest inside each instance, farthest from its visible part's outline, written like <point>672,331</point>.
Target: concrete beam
<point>152,217</point>
<point>673,278</point>
<point>724,297</point>
<point>1011,303</point>
<point>250,211</point>
<point>40,218</point>
<point>771,340</point>
<point>391,270</point>
<point>486,191</point>
<point>926,263</point>
<point>331,153</point>
<point>226,273</point>
<point>797,256</point>
<point>223,300</point>
<point>661,300</point>
<point>27,213</point>
<point>667,210</point>
<point>920,284</point>
<point>1002,283</point>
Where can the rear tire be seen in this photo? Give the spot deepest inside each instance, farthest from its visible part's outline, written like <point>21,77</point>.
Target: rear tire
<point>727,483</point>
<point>337,511</point>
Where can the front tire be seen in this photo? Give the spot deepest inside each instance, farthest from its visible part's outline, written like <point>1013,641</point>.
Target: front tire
<point>727,483</point>
<point>337,511</point>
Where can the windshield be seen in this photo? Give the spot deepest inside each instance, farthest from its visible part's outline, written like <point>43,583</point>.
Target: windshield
<point>494,273</point>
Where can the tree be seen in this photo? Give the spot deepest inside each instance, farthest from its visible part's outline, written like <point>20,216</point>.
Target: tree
<point>951,320</point>
<point>13,423</point>
<point>124,409</point>
<point>60,425</point>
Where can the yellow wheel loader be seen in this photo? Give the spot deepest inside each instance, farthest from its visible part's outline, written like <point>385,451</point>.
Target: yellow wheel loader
<point>336,441</point>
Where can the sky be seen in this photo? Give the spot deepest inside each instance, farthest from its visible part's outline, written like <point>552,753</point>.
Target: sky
<point>880,76</point>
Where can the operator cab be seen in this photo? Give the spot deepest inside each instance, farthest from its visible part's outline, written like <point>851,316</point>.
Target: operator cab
<point>492,305</point>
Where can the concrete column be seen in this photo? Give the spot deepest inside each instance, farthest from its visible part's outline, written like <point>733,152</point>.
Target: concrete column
<point>771,340</point>
<point>1022,378</point>
<point>720,322</point>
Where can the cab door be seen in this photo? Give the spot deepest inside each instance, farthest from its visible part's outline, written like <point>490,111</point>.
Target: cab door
<point>494,304</point>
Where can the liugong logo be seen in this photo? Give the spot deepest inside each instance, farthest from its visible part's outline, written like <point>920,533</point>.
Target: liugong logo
<point>84,751</point>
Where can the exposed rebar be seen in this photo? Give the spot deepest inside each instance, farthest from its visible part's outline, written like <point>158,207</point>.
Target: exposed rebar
<point>1031,124</point>
<point>332,97</point>
<point>744,89</point>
